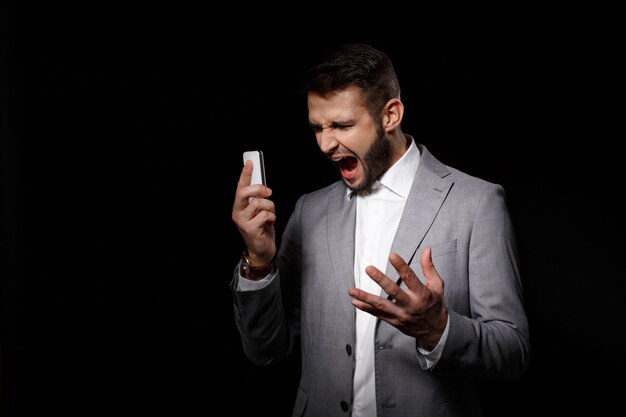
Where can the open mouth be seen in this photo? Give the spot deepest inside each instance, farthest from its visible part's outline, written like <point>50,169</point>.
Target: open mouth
<point>347,164</point>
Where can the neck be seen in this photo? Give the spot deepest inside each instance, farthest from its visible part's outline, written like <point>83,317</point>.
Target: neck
<point>399,144</point>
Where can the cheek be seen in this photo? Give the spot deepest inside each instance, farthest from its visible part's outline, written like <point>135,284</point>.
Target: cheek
<point>358,141</point>
<point>318,139</point>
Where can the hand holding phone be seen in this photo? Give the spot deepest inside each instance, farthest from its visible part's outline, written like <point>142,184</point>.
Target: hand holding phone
<point>258,166</point>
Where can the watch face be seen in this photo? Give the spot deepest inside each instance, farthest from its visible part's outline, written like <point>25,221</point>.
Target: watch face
<point>252,272</point>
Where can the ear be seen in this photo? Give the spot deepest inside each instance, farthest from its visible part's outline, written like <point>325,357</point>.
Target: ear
<point>392,114</point>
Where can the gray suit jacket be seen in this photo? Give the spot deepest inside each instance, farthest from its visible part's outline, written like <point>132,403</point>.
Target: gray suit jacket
<point>466,223</point>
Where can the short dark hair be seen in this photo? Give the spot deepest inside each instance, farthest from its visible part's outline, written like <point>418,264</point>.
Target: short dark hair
<point>360,65</point>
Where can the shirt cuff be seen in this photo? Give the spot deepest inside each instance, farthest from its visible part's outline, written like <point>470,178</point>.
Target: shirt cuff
<point>245,284</point>
<point>428,359</point>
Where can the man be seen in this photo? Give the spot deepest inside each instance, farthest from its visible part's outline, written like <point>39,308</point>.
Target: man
<point>400,281</point>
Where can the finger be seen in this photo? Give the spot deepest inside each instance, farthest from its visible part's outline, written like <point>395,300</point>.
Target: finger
<point>245,177</point>
<point>245,207</point>
<point>370,303</point>
<point>258,205</point>
<point>263,218</point>
<point>433,280</point>
<point>246,174</point>
<point>406,272</point>
<point>245,194</point>
<point>259,212</point>
<point>387,284</point>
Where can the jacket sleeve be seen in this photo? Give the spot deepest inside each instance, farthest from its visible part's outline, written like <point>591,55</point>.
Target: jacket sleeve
<point>494,341</point>
<point>268,319</point>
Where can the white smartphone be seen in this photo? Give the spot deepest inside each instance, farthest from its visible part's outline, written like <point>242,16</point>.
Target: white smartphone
<point>258,166</point>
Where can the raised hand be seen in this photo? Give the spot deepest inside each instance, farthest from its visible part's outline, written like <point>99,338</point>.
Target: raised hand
<point>418,311</point>
<point>255,215</point>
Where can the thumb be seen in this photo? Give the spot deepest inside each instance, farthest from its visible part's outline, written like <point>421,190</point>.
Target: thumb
<point>433,280</point>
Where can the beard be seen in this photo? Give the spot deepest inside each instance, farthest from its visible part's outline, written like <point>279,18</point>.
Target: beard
<point>376,162</point>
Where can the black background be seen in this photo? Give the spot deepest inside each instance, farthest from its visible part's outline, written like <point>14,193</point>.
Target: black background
<point>122,134</point>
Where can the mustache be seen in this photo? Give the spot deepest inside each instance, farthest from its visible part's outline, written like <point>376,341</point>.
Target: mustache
<point>340,153</point>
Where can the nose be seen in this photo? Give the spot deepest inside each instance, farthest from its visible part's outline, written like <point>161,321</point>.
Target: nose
<point>326,139</point>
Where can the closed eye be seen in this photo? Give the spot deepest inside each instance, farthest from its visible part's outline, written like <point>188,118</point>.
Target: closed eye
<point>334,125</point>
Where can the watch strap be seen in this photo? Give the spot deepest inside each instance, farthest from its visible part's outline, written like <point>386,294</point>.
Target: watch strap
<point>255,272</point>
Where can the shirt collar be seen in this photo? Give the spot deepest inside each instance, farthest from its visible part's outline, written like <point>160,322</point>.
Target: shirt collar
<point>399,177</point>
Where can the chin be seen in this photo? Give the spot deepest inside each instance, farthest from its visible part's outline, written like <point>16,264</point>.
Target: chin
<point>351,184</point>
<point>359,186</point>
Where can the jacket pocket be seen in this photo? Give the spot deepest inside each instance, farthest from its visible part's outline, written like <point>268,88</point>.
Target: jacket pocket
<point>443,248</point>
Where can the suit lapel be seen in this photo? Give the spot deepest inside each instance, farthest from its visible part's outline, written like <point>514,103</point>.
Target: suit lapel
<point>340,223</point>
<point>428,192</point>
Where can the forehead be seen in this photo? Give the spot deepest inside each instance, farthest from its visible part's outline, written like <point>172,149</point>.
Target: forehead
<point>338,105</point>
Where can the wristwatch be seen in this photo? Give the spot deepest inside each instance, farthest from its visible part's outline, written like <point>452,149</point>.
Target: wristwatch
<point>255,272</point>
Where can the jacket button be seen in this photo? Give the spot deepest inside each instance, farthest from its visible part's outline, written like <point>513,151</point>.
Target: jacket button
<point>349,350</point>
<point>344,406</point>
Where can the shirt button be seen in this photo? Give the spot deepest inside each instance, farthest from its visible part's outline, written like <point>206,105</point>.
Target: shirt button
<point>349,350</point>
<point>344,406</point>
<point>359,356</point>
